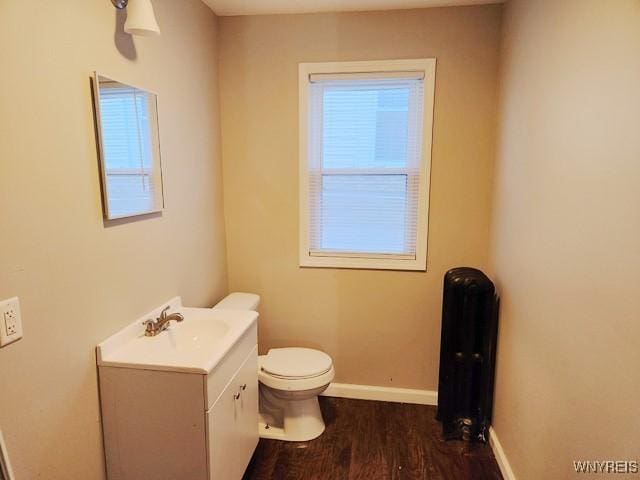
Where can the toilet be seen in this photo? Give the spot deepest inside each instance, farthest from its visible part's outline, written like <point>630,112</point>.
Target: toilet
<point>290,381</point>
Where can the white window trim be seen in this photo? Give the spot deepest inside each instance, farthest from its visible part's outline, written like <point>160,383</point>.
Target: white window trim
<point>364,261</point>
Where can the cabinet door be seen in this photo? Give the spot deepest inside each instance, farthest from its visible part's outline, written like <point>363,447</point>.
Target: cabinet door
<point>233,423</point>
<point>248,404</point>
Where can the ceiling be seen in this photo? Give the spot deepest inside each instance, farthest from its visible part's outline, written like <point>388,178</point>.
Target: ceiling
<point>263,7</point>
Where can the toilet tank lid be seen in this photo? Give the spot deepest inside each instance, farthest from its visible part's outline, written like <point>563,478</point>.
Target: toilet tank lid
<point>239,301</point>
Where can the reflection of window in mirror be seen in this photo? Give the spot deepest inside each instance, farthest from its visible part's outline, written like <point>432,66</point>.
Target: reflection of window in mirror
<point>129,146</point>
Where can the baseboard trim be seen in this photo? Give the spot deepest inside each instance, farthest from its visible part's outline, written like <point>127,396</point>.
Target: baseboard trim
<point>382,394</point>
<point>501,457</point>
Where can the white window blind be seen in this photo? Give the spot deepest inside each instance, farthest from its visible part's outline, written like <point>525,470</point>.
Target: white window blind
<point>127,144</point>
<point>364,158</point>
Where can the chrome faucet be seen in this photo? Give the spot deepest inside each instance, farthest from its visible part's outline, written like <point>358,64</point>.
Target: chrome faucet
<point>161,323</point>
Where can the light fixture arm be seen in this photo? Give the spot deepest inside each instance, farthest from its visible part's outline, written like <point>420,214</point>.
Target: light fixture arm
<point>120,4</point>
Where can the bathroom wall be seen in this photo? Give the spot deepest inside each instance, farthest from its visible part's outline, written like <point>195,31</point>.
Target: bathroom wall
<point>78,280</point>
<point>380,327</point>
<point>566,248</point>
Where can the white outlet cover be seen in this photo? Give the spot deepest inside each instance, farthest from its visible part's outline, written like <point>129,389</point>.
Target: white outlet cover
<point>10,321</point>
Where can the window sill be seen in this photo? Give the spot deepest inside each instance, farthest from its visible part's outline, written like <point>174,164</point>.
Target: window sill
<point>363,263</point>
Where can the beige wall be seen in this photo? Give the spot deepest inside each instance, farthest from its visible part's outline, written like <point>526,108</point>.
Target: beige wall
<point>78,281</point>
<point>566,249</point>
<point>380,327</point>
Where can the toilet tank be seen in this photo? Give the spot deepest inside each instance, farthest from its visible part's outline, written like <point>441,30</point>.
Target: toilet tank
<point>239,301</point>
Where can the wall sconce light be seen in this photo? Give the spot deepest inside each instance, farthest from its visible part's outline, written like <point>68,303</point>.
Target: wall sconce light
<point>140,17</point>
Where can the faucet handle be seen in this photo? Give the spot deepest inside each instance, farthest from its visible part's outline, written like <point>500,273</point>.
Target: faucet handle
<point>150,327</point>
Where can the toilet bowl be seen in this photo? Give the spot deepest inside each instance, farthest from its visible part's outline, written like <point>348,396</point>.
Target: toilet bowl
<point>290,381</point>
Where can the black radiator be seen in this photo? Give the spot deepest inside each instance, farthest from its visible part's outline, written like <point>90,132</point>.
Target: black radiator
<point>467,354</point>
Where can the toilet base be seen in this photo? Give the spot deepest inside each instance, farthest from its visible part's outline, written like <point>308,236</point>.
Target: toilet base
<point>292,420</point>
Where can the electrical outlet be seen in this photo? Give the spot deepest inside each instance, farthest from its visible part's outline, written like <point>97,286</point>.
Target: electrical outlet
<point>10,321</point>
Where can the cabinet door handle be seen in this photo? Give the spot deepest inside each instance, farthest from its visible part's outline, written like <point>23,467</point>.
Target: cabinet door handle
<point>236,396</point>
<point>243,387</point>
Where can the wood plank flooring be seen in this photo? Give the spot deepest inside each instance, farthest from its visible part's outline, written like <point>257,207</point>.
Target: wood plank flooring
<point>367,440</point>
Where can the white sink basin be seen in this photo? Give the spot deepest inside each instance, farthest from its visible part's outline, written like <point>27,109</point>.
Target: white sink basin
<point>194,345</point>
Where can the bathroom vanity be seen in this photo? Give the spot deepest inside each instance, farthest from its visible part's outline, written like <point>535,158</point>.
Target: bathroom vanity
<point>182,404</point>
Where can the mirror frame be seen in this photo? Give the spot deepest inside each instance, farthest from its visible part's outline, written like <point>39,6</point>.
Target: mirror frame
<point>159,204</point>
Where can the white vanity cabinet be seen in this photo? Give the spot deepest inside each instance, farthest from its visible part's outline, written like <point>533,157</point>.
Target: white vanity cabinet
<point>181,425</point>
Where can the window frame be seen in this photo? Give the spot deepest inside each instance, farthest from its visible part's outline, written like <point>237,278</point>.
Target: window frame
<point>366,260</point>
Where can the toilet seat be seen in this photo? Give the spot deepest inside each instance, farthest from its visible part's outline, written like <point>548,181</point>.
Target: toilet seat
<point>295,363</point>
<point>295,384</point>
<point>295,369</point>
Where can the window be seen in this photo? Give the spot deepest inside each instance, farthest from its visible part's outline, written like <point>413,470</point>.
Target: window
<point>365,154</point>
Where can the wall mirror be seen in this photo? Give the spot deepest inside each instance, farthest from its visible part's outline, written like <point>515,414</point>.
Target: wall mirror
<point>126,119</point>
<point>6,473</point>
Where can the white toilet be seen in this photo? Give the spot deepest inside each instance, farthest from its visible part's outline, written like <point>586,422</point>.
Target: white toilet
<point>290,381</point>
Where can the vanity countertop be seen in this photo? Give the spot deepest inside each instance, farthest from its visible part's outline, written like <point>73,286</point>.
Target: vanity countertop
<point>195,345</point>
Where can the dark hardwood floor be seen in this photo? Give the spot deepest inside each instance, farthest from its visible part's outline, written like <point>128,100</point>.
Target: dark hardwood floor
<point>374,441</point>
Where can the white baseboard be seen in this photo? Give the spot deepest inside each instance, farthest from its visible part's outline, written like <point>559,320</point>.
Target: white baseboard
<point>382,394</point>
<point>501,458</point>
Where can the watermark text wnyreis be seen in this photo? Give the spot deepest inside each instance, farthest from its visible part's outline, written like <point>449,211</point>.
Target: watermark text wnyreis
<point>607,466</point>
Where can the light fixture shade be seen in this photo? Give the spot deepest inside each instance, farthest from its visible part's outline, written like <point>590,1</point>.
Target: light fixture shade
<point>140,19</point>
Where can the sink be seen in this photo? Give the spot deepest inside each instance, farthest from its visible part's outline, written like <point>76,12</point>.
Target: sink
<point>195,345</point>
